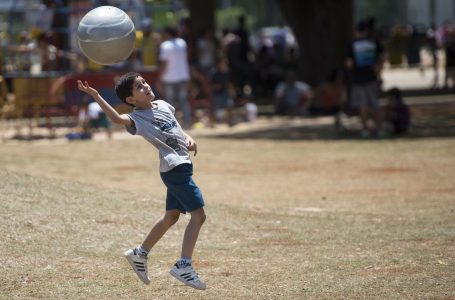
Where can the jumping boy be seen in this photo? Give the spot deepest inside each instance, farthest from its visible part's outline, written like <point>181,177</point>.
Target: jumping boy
<point>155,121</point>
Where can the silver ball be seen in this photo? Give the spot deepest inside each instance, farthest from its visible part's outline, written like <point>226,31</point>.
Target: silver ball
<point>106,35</point>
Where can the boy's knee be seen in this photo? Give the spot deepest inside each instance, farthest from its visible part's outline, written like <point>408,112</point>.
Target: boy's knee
<point>199,216</point>
<point>171,218</point>
<point>203,217</point>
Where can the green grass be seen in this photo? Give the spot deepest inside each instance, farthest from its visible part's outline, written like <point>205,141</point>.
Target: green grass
<point>286,220</point>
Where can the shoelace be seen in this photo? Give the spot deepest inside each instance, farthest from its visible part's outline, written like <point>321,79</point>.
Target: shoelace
<point>183,265</point>
<point>140,254</point>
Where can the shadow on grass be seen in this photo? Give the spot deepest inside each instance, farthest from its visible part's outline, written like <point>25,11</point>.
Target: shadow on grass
<point>424,128</point>
<point>33,137</point>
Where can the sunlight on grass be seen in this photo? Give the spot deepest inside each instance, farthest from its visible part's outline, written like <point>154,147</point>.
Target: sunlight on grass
<point>286,220</point>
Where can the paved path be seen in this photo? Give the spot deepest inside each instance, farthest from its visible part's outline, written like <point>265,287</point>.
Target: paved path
<point>410,78</point>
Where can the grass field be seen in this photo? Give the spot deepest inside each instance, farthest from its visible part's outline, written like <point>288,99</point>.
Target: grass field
<point>287,219</point>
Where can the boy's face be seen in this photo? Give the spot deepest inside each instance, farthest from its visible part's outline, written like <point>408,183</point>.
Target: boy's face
<point>142,94</point>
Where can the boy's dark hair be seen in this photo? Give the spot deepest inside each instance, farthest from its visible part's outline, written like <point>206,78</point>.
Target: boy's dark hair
<point>124,86</point>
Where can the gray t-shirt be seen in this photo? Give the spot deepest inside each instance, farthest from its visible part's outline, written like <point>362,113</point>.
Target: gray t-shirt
<point>160,128</point>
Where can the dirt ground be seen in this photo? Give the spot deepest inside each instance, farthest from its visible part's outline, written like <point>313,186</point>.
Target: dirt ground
<point>294,212</point>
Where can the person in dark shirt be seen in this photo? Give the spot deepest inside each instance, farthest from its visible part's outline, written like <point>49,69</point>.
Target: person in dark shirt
<point>221,88</point>
<point>364,62</point>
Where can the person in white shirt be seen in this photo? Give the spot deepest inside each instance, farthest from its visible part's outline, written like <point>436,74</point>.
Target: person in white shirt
<point>91,118</point>
<point>174,73</point>
<point>206,50</point>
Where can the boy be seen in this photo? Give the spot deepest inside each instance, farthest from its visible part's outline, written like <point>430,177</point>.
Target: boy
<point>155,121</point>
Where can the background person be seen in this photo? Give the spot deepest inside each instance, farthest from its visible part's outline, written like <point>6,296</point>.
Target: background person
<point>222,90</point>
<point>174,73</point>
<point>92,118</point>
<point>397,113</point>
<point>364,61</point>
<point>292,97</point>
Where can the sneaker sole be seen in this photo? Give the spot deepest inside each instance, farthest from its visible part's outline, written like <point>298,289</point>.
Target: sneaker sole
<point>176,276</point>
<point>131,262</point>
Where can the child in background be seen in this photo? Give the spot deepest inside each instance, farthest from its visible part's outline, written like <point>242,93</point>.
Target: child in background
<point>397,112</point>
<point>91,118</point>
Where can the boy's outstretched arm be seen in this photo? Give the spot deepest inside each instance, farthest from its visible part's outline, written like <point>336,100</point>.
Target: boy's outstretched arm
<point>110,112</point>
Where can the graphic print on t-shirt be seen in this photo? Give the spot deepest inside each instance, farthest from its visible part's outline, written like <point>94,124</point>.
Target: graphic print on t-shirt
<point>364,53</point>
<point>166,123</point>
<point>163,121</point>
<point>173,143</point>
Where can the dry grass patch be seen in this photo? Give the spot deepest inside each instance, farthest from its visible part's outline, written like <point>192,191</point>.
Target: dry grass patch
<point>286,220</point>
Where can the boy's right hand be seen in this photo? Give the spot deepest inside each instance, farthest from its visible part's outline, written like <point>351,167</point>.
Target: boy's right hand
<point>86,88</point>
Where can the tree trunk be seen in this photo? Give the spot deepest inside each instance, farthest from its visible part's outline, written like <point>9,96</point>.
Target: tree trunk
<point>323,29</point>
<point>202,15</point>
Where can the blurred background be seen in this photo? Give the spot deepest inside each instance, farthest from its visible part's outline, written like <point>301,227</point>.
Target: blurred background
<point>258,44</point>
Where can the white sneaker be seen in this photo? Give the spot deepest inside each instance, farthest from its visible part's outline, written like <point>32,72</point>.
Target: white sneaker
<point>139,264</point>
<point>187,275</point>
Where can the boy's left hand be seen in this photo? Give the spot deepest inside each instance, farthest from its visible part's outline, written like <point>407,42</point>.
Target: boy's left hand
<point>192,146</point>
<point>87,88</point>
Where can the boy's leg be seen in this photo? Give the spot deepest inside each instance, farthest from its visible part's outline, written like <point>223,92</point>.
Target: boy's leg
<point>192,232</point>
<point>137,257</point>
<point>160,228</point>
<point>183,270</point>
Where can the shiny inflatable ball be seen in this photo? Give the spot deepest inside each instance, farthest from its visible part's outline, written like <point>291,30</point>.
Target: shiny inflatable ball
<point>106,35</point>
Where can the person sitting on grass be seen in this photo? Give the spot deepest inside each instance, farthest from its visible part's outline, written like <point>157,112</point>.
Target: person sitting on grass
<point>397,112</point>
<point>92,118</point>
<point>292,97</point>
<point>155,122</point>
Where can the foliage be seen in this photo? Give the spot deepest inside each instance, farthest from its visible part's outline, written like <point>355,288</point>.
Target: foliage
<point>228,18</point>
<point>163,13</point>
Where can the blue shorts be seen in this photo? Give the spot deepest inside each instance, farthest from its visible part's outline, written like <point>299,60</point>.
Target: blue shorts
<point>182,192</point>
